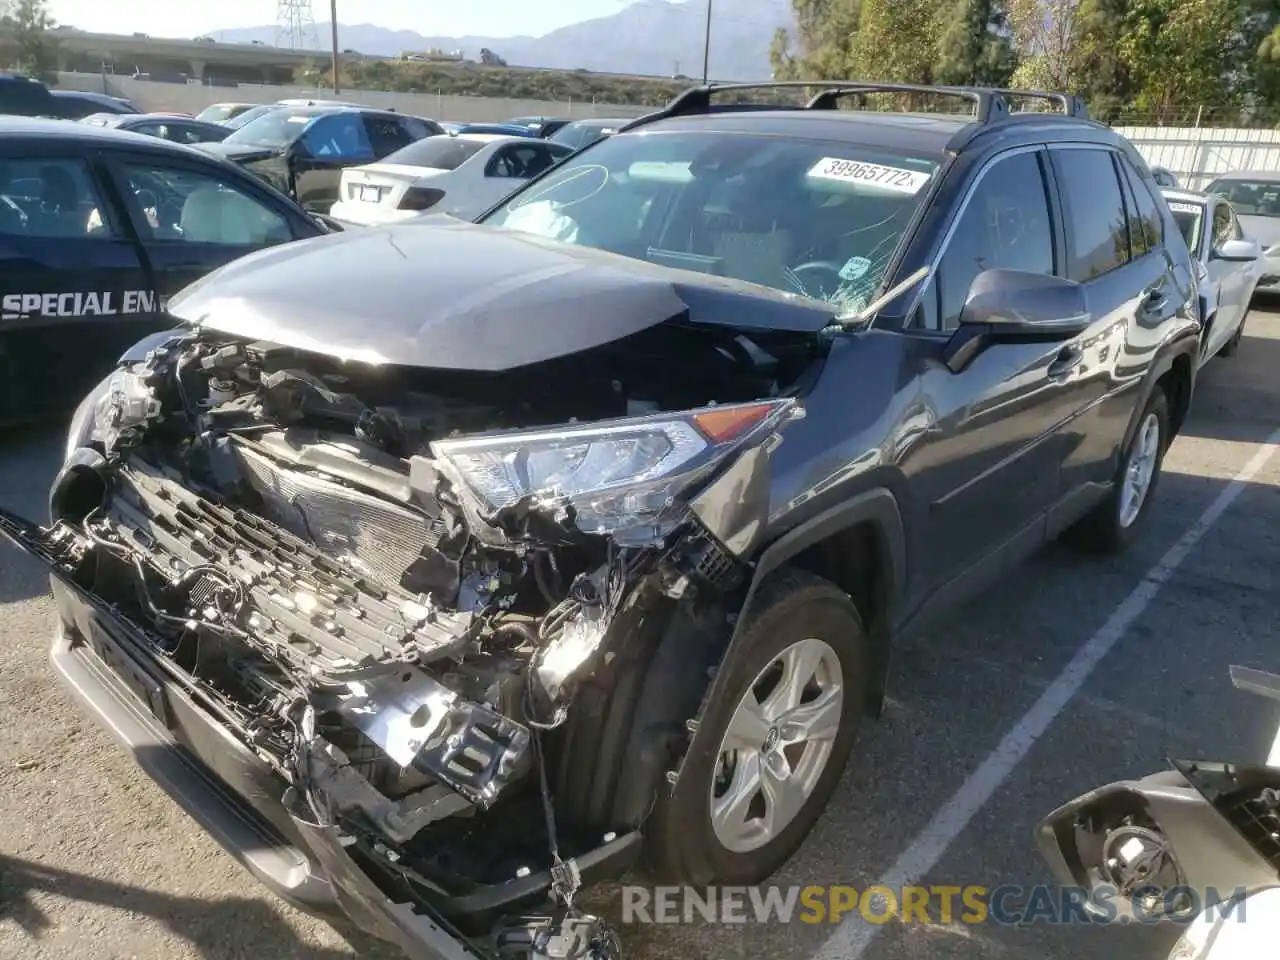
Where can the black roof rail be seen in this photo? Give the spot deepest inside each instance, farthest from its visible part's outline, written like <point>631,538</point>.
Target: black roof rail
<point>990,103</point>
<point>698,100</point>
<point>1070,104</point>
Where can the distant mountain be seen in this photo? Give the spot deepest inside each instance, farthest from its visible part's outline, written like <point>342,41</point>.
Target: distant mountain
<point>657,37</point>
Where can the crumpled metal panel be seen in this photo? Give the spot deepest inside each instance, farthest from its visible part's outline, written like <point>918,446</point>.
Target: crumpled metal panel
<point>325,616</point>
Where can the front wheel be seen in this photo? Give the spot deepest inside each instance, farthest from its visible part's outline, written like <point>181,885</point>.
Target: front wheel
<point>775,743</point>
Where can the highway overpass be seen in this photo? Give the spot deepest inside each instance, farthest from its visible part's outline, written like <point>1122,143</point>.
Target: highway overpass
<point>201,60</point>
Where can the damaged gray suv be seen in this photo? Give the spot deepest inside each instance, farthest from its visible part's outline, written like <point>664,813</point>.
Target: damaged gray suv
<point>441,569</point>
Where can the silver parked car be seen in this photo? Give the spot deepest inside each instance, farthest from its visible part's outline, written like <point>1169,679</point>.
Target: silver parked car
<point>1255,196</point>
<point>462,175</point>
<point>1228,263</point>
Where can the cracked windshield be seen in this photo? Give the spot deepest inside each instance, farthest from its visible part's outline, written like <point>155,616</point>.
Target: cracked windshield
<point>808,217</point>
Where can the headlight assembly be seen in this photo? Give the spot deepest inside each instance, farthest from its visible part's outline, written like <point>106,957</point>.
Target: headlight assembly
<point>612,475</point>
<point>89,422</point>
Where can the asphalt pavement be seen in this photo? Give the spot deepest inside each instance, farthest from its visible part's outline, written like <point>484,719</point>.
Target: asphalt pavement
<point>1071,673</point>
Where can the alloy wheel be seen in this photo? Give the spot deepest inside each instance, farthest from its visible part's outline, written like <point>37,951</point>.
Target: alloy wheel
<point>776,745</point>
<point>1140,471</point>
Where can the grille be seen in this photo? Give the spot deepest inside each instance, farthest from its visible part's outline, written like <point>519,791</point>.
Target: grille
<point>313,609</point>
<point>372,535</point>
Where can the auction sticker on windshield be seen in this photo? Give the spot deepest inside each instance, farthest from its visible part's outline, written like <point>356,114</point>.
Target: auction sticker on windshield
<point>898,179</point>
<point>1178,206</point>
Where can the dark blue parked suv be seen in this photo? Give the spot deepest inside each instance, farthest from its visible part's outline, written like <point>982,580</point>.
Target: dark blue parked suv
<point>466,563</point>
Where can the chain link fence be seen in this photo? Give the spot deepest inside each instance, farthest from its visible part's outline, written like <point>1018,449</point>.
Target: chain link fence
<point>1194,116</point>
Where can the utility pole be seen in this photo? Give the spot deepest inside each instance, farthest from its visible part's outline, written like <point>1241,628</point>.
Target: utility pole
<point>706,44</point>
<point>333,27</point>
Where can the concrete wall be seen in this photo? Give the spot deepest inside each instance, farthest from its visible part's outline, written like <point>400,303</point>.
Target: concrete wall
<point>1196,155</point>
<point>190,98</point>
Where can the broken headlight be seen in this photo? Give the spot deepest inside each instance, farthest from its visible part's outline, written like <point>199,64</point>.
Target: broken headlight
<point>125,403</point>
<point>611,475</point>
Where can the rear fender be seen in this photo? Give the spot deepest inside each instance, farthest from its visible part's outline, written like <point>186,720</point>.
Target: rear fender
<point>1185,344</point>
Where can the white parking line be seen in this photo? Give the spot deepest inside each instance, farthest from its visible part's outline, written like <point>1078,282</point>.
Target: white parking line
<point>852,938</point>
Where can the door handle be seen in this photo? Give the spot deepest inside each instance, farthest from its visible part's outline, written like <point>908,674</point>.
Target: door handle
<point>1068,358</point>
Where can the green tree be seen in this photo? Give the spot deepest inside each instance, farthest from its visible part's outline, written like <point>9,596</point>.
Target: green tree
<point>1178,54</point>
<point>1253,63</point>
<point>1099,68</point>
<point>37,47</point>
<point>822,46</point>
<point>974,46</point>
<point>1044,32</point>
<point>897,41</point>
<point>1265,76</point>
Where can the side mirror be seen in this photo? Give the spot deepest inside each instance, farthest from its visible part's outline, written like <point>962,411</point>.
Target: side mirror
<point>1238,251</point>
<point>327,223</point>
<point>1016,306</point>
<point>1164,847</point>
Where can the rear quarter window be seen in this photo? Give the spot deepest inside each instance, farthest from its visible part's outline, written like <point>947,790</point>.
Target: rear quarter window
<point>1146,225</point>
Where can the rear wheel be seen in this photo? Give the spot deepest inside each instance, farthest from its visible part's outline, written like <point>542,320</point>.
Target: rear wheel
<point>1232,346</point>
<point>1115,522</point>
<point>774,745</point>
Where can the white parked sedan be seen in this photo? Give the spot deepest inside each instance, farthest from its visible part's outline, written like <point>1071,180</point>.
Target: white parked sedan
<point>1255,197</point>
<point>1229,263</point>
<point>462,175</point>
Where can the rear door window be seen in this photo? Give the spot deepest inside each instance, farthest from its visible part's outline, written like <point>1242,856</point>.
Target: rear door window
<point>179,205</point>
<point>416,128</point>
<point>521,160</point>
<point>1097,221</point>
<point>338,137</point>
<point>507,162</point>
<point>386,134</point>
<point>185,133</point>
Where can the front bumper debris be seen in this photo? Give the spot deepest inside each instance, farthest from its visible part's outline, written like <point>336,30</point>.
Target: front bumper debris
<point>244,804</point>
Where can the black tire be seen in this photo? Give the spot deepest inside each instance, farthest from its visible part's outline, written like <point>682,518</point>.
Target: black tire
<point>1101,530</point>
<point>682,845</point>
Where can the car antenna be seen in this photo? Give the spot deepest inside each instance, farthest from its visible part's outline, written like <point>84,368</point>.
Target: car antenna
<point>844,321</point>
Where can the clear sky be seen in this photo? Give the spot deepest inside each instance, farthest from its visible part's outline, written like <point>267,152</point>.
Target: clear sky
<point>190,18</point>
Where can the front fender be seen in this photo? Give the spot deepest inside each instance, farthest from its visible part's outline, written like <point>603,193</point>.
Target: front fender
<point>877,507</point>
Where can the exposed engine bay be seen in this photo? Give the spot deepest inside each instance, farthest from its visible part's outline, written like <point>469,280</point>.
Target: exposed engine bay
<point>391,582</point>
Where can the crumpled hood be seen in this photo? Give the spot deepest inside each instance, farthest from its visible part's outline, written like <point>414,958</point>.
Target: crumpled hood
<point>438,292</point>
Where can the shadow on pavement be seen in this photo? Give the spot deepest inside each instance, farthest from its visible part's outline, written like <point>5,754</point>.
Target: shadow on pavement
<point>21,578</point>
<point>1235,398</point>
<point>29,459</point>
<point>219,930</point>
